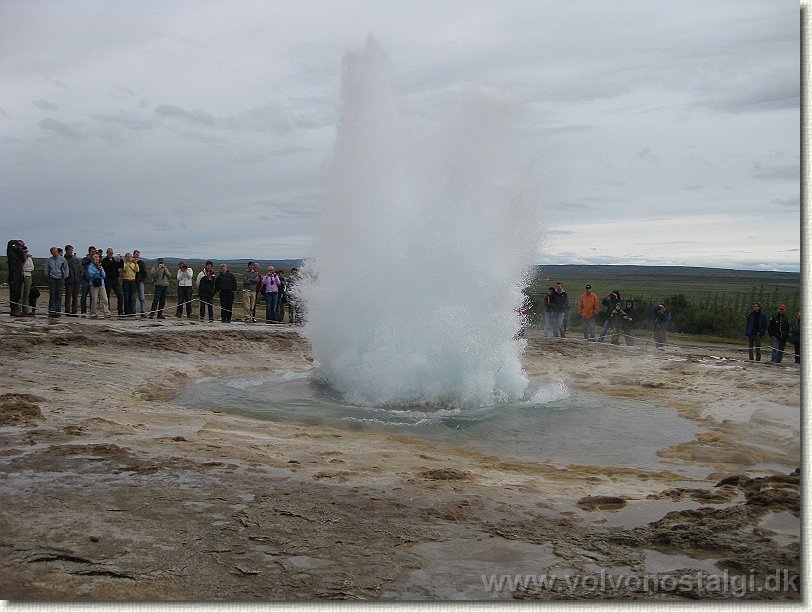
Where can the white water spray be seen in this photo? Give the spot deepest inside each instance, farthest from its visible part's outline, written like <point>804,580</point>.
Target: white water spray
<point>422,250</point>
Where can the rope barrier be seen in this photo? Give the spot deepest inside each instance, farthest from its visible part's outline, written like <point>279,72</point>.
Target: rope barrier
<point>767,348</point>
<point>132,314</point>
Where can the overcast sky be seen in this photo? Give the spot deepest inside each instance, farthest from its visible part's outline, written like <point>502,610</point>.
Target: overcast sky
<point>663,133</point>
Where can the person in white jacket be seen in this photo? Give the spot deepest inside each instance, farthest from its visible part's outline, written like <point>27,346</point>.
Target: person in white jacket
<point>28,268</point>
<point>184,290</point>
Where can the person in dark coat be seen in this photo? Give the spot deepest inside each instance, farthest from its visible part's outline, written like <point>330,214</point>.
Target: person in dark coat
<point>662,316</point>
<point>612,298</point>
<point>16,259</point>
<point>754,330</point>
<point>205,291</point>
<point>629,320</point>
<point>796,338</point>
<point>778,328</point>
<point>226,284</point>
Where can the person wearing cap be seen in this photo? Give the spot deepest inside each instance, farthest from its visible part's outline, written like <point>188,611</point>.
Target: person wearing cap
<point>184,276</point>
<point>160,279</point>
<point>778,328</point>
<point>250,278</point>
<point>588,308</point>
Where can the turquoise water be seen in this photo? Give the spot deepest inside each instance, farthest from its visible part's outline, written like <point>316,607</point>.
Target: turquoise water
<point>551,424</point>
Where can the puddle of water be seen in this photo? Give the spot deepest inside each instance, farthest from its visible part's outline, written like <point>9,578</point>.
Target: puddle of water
<point>785,526</point>
<point>552,424</point>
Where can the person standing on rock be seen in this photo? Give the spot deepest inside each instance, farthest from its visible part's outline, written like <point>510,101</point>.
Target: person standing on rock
<point>160,281</point>
<point>796,338</point>
<point>56,271</point>
<point>628,322</point>
<point>28,269</point>
<point>778,328</point>
<point>184,276</point>
<point>226,284</point>
<point>551,313</point>
<point>250,278</point>
<point>129,287</point>
<point>73,281</point>
<point>112,282</point>
<point>270,284</point>
<point>15,259</point>
<point>139,282</point>
<point>661,319</point>
<point>98,295</point>
<point>562,304</point>
<point>588,308</point>
<point>754,330</point>
<point>612,298</point>
<point>205,291</point>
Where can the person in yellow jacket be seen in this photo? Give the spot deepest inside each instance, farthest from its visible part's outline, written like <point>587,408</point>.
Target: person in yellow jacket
<point>128,273</point>
<point>588,307</point>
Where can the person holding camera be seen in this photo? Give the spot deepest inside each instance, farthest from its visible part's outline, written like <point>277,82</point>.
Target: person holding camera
<point>160,279</point>
<point>184,277</point>
<point>98,295</point>
<point>112,283</point>
<point>205,290</point>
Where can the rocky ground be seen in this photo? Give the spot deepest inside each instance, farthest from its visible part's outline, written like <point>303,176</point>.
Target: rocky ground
<point>112,491</point>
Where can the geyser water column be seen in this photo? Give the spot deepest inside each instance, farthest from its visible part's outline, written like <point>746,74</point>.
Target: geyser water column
<point>422,249</point>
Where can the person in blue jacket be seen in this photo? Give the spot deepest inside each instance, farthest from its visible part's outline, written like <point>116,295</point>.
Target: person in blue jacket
<point>754,330</point>
<point>98,295</point>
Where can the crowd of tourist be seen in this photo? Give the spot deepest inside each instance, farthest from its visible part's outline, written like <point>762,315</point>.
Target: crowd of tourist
<point>88,283</point>
<point>621,317</point>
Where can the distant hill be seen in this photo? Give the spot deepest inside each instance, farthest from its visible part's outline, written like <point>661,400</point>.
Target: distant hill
<point>620,271</point>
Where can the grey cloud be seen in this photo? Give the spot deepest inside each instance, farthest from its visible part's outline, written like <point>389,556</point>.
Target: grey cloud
<point>122,93</point>
<point>59,128</point>
<point>45,105</point>
<point>787,202</point>
<point>758,97</point>
<point>305,208</point>
<point>266,118</point>
<point>573,206</point>
<point>645,155</point>
<point>566,129</point>
<point>785,172</point>
<point>130,122</point>
<point>193,117</point>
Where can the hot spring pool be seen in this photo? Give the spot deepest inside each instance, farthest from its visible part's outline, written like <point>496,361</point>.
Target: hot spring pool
<point>553,424</point>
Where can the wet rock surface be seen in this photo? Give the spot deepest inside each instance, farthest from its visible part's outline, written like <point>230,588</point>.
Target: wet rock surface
<point>112,492</point>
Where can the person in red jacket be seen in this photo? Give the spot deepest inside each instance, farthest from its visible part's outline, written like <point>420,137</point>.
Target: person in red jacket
<point>588,307</point>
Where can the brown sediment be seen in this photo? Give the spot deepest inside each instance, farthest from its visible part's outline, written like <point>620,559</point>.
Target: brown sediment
<point>112,491</point>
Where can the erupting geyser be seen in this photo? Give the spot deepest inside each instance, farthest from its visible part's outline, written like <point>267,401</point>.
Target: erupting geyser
<point>422,250</point>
